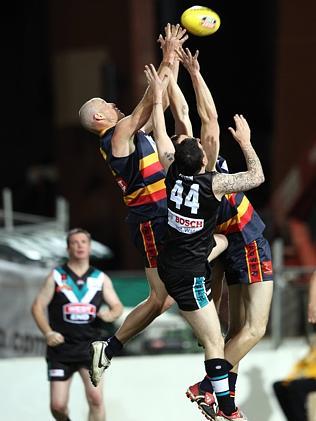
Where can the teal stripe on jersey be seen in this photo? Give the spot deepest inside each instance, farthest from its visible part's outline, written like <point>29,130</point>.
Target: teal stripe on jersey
<point>199,292</point>
<point>94,274</point>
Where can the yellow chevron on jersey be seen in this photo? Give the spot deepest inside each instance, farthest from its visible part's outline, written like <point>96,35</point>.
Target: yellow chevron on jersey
<point>140,176</point>
<point>148,160</point>
<point>103,154</point>
<point>145,194</point>
<point>242,210</point>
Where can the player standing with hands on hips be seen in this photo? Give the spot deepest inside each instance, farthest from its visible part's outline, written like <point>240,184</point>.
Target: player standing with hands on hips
<point>73,294</point>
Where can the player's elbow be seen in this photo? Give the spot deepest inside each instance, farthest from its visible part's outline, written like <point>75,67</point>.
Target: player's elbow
<point>34,308</point>
<point>120,309</point>
<point>208,117</point>
<point>259,179</point>
<point>117,310</point>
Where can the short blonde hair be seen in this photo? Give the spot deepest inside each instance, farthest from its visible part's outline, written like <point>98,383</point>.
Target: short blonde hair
<point>77,231</point>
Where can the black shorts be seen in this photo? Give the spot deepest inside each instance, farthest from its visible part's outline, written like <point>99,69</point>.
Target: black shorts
<point>61,371</point>
<point>247,263</point>
<point>190,289</point>
<point>147,237</point>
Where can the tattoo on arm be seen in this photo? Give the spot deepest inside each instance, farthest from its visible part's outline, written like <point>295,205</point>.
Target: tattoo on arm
<point>242,181</point>
<point>169,156</point>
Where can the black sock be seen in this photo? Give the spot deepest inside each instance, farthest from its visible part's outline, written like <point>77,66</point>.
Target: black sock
<point>114,347</point>
<point>232,379</point>
<point>217,370</point>
<point>206,385</point>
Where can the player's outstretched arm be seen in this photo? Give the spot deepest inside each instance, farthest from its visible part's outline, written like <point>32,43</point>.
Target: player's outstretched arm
<point>180,33</point>
<point>179,108</point>
<point>128,126</point>
<point>164,145</point>
<point>205,107</point>
<point>242,181</point>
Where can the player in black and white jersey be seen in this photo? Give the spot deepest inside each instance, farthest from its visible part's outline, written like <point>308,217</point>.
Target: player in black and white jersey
<point>192,213</point>
<point>73,294</point>
<point>246,263</point>
<point>194,192</point>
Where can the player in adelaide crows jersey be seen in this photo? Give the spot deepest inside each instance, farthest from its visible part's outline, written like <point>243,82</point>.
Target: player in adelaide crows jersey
<point>132,156</point>
<point>192,220</point>
<point>73,294</point>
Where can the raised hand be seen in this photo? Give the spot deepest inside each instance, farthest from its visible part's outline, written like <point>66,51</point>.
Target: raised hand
<point>157,85</point>
<point>242,132</point>
<point>189,61</point>
<point>174,38</point>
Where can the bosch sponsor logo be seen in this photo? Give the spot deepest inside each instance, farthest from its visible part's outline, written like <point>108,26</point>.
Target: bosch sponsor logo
<point>184,224</point>
<point>197,223</point>
<point>79,312</point>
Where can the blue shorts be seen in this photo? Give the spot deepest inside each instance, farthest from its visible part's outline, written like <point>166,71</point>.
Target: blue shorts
<point>247,263</point>
<point>147,238</point>
<point>61,371</point>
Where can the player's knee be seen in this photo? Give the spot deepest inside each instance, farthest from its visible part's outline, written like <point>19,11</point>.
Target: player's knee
<point>58,408</point>
<point>257,331</point>
<point>95,399</point>
<point>261,330</point>
<point>156,302</point>
<point>168,302</point>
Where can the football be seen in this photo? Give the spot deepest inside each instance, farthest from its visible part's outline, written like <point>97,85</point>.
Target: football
<point>200,21</point>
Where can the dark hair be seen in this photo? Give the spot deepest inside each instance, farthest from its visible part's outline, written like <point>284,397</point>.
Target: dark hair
<point>175,138</point>
<point>77,231</point>
<point>188,156</point>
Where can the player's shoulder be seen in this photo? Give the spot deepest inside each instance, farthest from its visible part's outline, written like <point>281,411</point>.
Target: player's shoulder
<point>59,269</point>
<point>94,271</point>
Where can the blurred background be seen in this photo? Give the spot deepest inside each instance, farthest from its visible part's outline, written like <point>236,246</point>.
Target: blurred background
<point>260,63</point>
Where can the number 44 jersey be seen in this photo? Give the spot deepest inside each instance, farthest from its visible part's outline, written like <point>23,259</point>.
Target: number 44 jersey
<point>192,214</point>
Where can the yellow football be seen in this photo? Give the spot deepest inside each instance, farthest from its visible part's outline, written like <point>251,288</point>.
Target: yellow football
<point>200,21</point>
